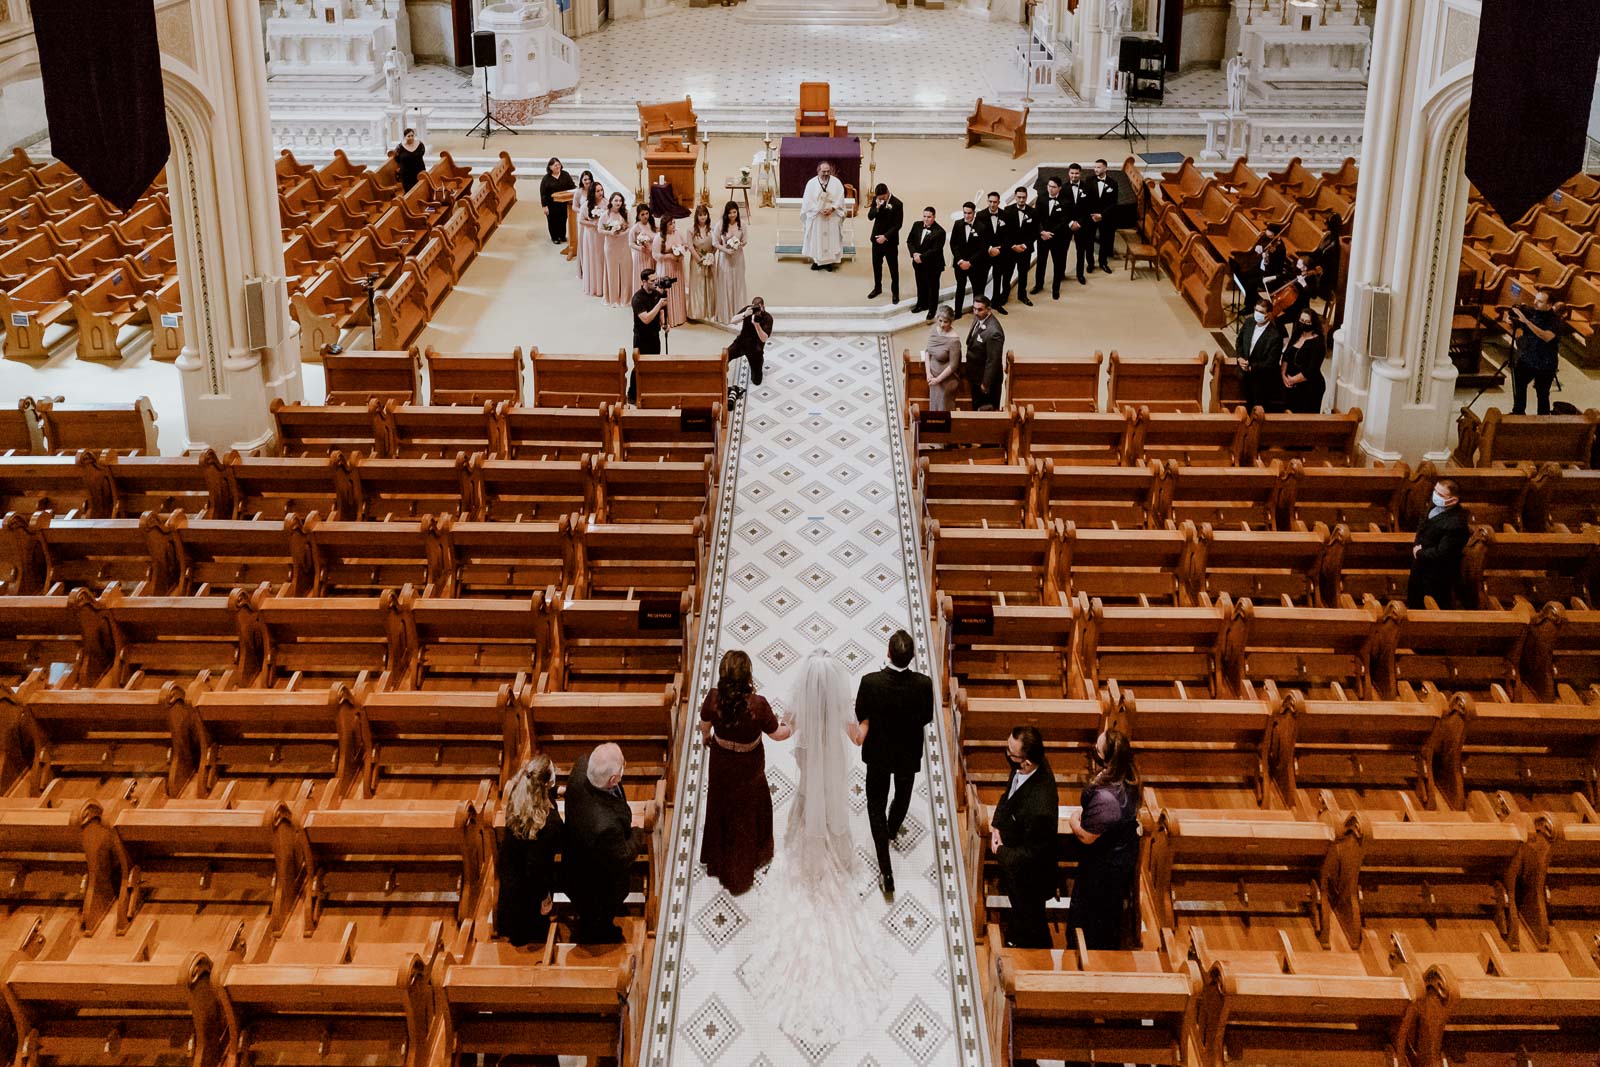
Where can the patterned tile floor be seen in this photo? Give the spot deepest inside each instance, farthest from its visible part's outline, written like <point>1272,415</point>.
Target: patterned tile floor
<point>815,547</point>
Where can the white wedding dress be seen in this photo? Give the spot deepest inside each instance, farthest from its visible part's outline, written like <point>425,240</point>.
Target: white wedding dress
<point>819,969</point>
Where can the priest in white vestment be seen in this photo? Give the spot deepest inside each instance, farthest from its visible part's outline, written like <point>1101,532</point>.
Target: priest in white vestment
<point>822,211</point>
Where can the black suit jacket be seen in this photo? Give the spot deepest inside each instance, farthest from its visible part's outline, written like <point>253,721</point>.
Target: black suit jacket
<point>886,220</point>
<point>1259,358</point>
<point>965,243</point>
<point>932,249</point>
<point>1022,230</point>
<point>601,843</point>
<point>1438,564</point>
<point>899,705</point>
<point>1052,215</point>
<point>1079,210</point>
<point>1028,822</point>
<point>993,232</point>
<point>1102,202</point>
<point>986,355</point>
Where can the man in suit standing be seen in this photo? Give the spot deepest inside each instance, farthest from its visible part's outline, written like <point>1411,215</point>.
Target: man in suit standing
<point>1260,351</point>
<point>1078,220</point>
<point>1103,213</point>
<point>1436,552</point>
<point>1023,839</point>
<point>1054,237</point>
<point>992,241</point>
<point>966,255</point>
<point>886,213</point>
<point>985,362</point>
<point>601,844</point>
<point>1019,242</point>
<point>893,707</point>
<point>925,242</point>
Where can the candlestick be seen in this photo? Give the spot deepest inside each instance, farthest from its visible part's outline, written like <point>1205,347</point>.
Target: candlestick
<point>705,168</point>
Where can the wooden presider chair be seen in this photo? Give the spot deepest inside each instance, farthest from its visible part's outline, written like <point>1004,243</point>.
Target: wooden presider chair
<point>814,116</point>
<point>657,120</point>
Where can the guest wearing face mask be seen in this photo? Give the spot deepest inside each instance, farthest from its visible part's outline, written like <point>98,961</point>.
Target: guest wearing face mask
<point>1023,839</point>
<point>1260,351</point>
<point>1107,829</point>
<point>1436,552</point>
<point>1302,365</point>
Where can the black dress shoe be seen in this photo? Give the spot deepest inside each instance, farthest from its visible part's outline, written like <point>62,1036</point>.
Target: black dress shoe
<point>894,298</point>
<point>1107,268</point>
<point>930,316</point>
<point>887,882</point>
<point>831,267</point>
<point>1001,309</point>
<point>1035,289</point>
<point>1025,300</point>
<point>1056,293</point>
<point>816,266</point>
<point>874,294</point>
<point>1082,280</point>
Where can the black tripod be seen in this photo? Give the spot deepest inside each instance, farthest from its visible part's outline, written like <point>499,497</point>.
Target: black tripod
<point>370,284</point>
<point>489,122</point>
<point>1127,129</point>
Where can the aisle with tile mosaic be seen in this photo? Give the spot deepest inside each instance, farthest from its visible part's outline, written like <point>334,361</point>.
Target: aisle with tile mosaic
<point>816,547</point>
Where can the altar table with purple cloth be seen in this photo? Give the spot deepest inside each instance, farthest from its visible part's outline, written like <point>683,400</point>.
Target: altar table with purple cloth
<point>799,157</point>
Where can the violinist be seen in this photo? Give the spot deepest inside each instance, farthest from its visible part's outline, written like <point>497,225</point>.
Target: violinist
<point>1307,283</point>
<point>1268,264</point>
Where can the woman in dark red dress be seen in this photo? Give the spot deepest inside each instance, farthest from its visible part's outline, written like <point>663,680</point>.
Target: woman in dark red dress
<point>738,826</point>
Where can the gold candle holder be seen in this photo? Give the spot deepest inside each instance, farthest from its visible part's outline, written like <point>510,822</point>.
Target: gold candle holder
<point>769,174</point>
<point>705,168</point>
<point>872,159</point>
<point>638,193</point>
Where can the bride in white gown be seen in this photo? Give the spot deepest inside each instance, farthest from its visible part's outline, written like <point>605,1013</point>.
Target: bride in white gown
<point>818,968</point>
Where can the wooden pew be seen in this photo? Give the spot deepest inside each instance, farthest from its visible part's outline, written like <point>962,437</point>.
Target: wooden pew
<point>1562,652</point>
<point>1479,652</point>
<point>635,561</point>
<point>643,722</point>
<point>113,301</point>
<point>21,432</point>
<point>45,554</point>
<point>42,483</point>
<point>578,381</point>
<point>1124,497</point>
<point>1011,651</point>
<point>1561,497</point>
<point>1233,496</point>
<point>1221,439</point>
<point>152,640</point>
<point>677,435</point>
<point>1006,123</point>
<point>1516,439</point>
<point>333,558</point>
<point>476,559</point>
<point>1053,383</point>
<point>1267,566</point>
<point>1494,1015</point>
<point>472,377</point>
<point>42,632</point>
<point>320,430</point>
<point>1073,438</point>
<point>1331,440</point>
<point>681,381</point>
<point>163,307</point>
<point>668,117</point>
<point>1496,568</point>
<point>403,309</point>
<point>63,856</point>
<point>469,645</point>
<point>1357,497</point>
<point>965,436</point>
<point>1165,651</point>
<point>390,489</point>
<point>1202,277</point>
<point>443,743</point>
<point>1122,566</point>
<point>966,494</point>
<point>1003,566</point>
<point>418,431</point>
<point>213,556</point>
<point>553,433</point>
<point>30,309</point>
<point>86,738</point>
<point>1157,385</point>
<point>121,428</point>
<point>312,642</point>
<point>359,377</point>
<point>267,742</point>
<point>658,492</point>
<point>326,307</point>
<point>127,486</point>
<point>530,490</point>
<point>608,646</point>
<point>981,727</point>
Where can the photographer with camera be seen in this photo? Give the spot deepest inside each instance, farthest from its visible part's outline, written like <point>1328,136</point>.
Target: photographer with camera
<point>1537,350</point>
<point>649,317</point>
<point>755,329</point>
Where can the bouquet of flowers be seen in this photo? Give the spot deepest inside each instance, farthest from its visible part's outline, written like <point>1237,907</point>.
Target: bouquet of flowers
<point>744,174</point>
<point>612,226</point>
<point>708,259</point>
<point>642,239</point>
<point>733,243</point>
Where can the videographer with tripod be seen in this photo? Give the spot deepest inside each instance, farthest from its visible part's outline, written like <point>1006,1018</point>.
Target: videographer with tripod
<point>1537,352</point>
<point>755,329</point>
<point>649,306</point>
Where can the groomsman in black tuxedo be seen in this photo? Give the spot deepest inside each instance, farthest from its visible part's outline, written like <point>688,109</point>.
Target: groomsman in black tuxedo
<point>1103,199</point>
<point>925,242</point>
<point>1078,220</point>
<point>993,232</point>
<point>886,214</point>
<point>966,254</point>
<point>1051,214</point>
<point>1023,232</point>
<point>1022,838</point>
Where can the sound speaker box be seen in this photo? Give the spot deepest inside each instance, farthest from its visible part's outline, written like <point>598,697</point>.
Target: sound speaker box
<point>484,53</point>
<point>1128,51</point>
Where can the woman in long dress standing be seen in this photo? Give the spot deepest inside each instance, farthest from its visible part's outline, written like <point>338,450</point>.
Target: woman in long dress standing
<point>669,254</point>
<point>942,359</point>
<point>738,820</point>
<point>526,854</point>
<point>818,966</point>
<point>580,204</point>
<point>1107,829</point>
<point>732,236</point>
<point>702,267</point>
<point>1303,382</point>
<point>619,256</point>
<point>642,239</point>
<point>408,159</point>
<point>591,243</point>
<point>555,180</point>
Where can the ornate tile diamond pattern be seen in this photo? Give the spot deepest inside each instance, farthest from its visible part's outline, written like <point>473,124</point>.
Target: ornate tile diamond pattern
<point>789,573</point>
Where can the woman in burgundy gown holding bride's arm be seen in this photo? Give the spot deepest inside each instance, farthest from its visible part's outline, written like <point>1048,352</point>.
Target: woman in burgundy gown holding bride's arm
<point>738,826</point>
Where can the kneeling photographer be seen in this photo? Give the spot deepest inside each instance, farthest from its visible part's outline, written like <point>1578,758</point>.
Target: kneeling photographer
<point>755,328</point>
<point>649,318</point>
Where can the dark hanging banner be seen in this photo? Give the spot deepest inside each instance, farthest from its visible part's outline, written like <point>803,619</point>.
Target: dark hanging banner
<point>101,66</point>
<point>1531,91</point>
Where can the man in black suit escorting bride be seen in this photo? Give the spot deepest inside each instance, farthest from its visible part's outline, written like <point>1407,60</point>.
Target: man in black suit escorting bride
<point>893,707</point>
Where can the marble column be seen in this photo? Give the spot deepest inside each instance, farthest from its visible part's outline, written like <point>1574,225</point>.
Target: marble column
<point>226,229</point>
<point>1406,243</point>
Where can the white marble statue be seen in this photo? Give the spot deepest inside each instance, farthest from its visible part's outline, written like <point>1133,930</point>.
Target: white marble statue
<point>394,73</point>
<point>1116,11</point>
<point>1238,83</point>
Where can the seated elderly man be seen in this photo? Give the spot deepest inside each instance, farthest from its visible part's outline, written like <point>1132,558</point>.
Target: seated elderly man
<point>601,844</point>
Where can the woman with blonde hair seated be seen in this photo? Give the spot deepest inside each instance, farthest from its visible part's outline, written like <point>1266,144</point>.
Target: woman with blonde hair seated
<point>526,854</point>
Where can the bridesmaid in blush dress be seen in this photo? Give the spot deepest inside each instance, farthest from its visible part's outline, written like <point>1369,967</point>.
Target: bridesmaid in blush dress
<point>619,257</point>
<point>732,236</point>
<point>738,818</point>
<point>669,251</point>
<point>580,205</point>
<point>642,239</point>
<point>591,248</point>
<point>702,267</point>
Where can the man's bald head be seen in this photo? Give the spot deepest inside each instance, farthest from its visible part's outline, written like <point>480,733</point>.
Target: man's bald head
<point>605,766</point>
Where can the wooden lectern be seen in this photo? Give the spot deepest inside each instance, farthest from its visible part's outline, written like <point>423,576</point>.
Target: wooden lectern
<point>566,200</point>
<point>676,162</point>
